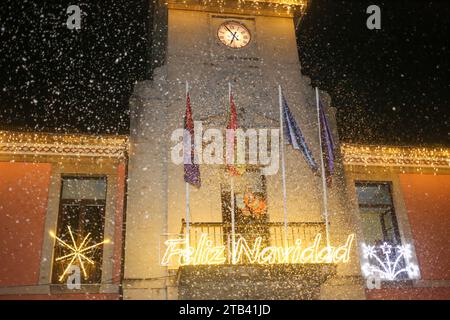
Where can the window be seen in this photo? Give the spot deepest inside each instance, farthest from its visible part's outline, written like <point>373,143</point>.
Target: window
<point>384,254</point>
<point>81,221</point>
<point>377,213</point>
<point>250,207</point>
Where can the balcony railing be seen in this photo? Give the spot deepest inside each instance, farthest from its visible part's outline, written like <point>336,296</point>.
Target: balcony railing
<point>272,233</point>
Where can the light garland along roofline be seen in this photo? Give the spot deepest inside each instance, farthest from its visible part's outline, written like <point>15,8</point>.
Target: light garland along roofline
<point>256,7</point>
<point>49,144</point>
<point>386,156</point>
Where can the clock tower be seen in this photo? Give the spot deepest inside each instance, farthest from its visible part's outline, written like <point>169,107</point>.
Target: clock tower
<point>252,46</point>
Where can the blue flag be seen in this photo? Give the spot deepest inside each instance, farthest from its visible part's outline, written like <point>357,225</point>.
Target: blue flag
<point>293,136</point>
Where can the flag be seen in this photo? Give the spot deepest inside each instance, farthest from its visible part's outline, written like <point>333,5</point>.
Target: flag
<point>191,169</point>
<point>231,140</point>
<point>327,145</point>
<point>293,136</point>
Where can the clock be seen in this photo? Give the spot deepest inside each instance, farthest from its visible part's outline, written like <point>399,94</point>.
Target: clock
<point>233,34</point>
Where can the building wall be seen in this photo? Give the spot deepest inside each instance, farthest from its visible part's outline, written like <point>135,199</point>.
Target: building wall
<point>30,186</point>
<point>427,202</point>
<point>23,205</point>
<point>421,197</point>
<point>90,296</point>
<point>427,199</point>
<point>118,223</point>
<point>409,294</point>
<point>29,195</point>
<point>156,197</point>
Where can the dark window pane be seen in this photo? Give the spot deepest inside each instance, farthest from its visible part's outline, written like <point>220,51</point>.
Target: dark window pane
<point>80,226</point>
<point>378,225</point>
<point>84,188</point>
<point>374,194</point>
<point>377,213</point>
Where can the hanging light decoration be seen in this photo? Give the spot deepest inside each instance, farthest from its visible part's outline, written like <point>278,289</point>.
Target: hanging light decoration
<point>78,254</point>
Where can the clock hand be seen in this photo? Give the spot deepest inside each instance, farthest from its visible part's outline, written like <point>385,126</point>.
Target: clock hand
<point>229,30</point>
<point>232,34</point>
<point>234,37</point>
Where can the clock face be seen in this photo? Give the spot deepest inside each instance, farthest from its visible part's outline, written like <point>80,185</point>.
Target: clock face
<point>233,34</point>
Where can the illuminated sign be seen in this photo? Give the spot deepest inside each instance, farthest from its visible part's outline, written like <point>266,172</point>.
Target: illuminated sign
<point>179,252</point>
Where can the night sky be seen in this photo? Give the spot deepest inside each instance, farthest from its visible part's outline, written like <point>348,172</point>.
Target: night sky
<point>390,86</point>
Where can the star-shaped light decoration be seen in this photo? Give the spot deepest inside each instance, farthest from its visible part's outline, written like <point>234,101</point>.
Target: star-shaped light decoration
<point>77,252</point>
<point>405,250</point>
<point>378,261</point>
<point>386,248</point>
<point>368,250</point>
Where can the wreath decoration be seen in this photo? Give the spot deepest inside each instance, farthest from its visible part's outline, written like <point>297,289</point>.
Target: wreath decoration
<point>255,204</point>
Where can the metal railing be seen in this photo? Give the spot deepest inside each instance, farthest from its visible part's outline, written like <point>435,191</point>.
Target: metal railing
<point>273,233</point>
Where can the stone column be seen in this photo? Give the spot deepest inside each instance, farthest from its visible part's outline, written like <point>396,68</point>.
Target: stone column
<point>146,219</point>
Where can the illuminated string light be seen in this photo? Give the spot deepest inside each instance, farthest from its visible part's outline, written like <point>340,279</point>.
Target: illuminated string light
<point>278,6</point>
<point>179,252</point>
<point>44,144</point>
<point>77,252</point>
<point>396,156</point>
<point>388,265</point>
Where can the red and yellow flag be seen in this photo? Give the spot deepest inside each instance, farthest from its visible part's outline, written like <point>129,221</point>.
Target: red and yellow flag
<point>233,169</point>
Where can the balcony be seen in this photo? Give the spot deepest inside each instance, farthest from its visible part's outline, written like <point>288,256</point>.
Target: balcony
<point>246,280</point>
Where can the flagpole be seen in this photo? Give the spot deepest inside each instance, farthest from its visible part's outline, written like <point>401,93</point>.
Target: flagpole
<point>283,166</point>
<point>188,213</point>
<point>233,237</point>
<point>324,184</point>
<point>233,230</point>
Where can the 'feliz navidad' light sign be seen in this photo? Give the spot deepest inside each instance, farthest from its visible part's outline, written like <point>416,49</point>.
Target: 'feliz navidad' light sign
<point>179,253</point>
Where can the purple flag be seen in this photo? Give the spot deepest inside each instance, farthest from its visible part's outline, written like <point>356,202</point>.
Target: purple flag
<point>191,169</point>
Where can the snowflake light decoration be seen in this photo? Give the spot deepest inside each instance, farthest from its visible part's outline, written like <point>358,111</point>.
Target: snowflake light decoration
<point>388,262</point>
<point>77,253</point>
